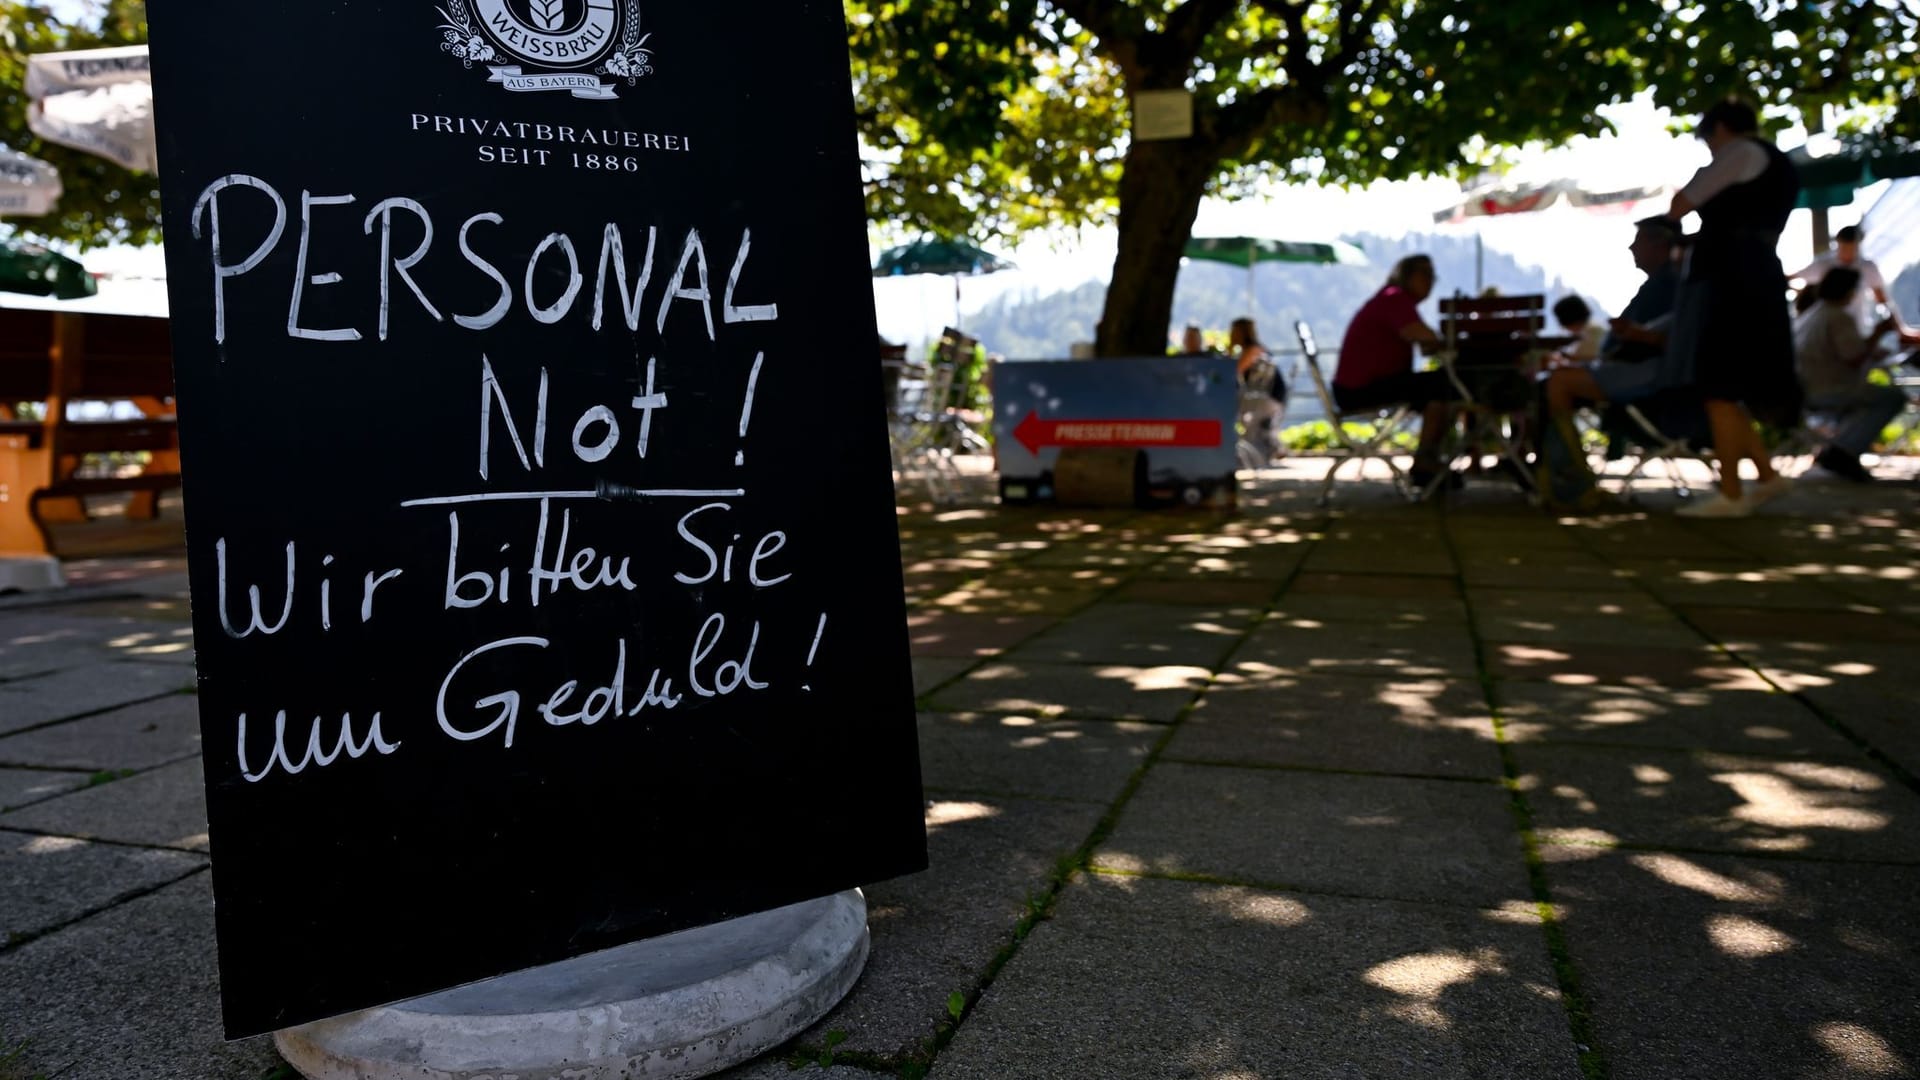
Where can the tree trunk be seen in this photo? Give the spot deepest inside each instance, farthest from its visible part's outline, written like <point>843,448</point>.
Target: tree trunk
<point>1160,196</point>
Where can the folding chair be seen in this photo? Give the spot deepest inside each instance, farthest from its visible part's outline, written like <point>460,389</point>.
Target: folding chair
<point>1258,414</point>
<point>1907,379</point>
<point>1360,435</point>
<point>1488,340</point>
<point>1666,429</point>
<point>960,424</point>
<point>918,432</point>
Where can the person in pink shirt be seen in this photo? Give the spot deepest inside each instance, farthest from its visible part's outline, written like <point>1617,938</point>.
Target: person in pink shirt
<point>1376,361</point>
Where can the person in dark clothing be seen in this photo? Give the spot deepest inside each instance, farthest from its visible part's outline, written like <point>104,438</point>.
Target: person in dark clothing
<point>1733,321</point>
<point>1632,367</point>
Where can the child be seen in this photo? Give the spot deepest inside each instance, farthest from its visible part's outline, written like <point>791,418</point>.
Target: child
<point>1576,318</point>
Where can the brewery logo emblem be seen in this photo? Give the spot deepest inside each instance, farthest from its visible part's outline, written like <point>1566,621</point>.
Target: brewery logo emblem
<point>558,44</point>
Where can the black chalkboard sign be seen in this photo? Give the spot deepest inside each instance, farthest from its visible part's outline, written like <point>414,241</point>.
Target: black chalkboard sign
<point>546,580</point>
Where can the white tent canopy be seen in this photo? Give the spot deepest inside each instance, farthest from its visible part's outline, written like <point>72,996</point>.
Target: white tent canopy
<point>29,187</point>
<point>96,100</point>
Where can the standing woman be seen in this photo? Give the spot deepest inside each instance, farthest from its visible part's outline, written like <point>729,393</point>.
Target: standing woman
<point>1732,320</point>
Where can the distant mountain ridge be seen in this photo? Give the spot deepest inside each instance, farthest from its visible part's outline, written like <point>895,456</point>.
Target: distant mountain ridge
<point>1031,325</point>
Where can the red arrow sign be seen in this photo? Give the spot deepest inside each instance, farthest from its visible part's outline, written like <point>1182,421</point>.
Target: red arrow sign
<point>1034,433</point>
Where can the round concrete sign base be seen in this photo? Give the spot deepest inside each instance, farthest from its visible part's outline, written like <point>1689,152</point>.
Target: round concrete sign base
<point>27,573</point>
<point>684,1005</point>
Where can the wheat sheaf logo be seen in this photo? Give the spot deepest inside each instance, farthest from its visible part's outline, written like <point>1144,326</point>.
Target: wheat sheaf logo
<point>566,45</point>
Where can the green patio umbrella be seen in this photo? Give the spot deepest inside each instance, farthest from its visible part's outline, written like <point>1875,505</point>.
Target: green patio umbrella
<point>1831,168</point>
<point>947,258</point>
<point>1251,251</point>
<point>32,269</point>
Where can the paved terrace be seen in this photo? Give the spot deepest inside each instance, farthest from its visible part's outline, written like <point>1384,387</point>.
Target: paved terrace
<point>1388,792</point>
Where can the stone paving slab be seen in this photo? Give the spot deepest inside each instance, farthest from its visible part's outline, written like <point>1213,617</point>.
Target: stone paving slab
<point>1138,978</point>
<point>38,641</point>
<point>1441,841</point>
<point>1311,611</point>
<point>1564,603</point>
<point>1744,623</point>
<point>155,575</point>
<point>1720,802</point>
<point>1277,649</point>
<point>1882,714</point>
<point>173,608</point>
<point>1012,599</point>
<point>1109,691</point>
<point>136,737</point>
<point>936,932</point>
<point>1055,577</point>
<point>1416,558</point>
<point>1575,572</point>
<point>50,880</point>
<point>165,807</point>
<point>1736,721</point>
<point>930,671</point>
<point>25,703</point>
<point>1739,587</point>
<point>1430,727</point>
<point>18,787</point>
<point>131,992</point>
<point>1112,556</point>
<point>1699,668</point>
<point>777,1065</point>
<point>1895,597</point>
<point>1727,968</point>
<point>920,588</point>
<point>1143,634</point>
<point>947,633</point>
<point>1656,534</point>
<point>1663,632</point>
<point>1273,564</point>
<point>1385,585</point>
<point>1803,665</point>
<point>996,754</point>
<point>1248,592</point>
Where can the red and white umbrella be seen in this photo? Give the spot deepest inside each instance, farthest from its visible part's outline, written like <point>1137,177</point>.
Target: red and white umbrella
<point>1524,198</point>
<point>96,100</point>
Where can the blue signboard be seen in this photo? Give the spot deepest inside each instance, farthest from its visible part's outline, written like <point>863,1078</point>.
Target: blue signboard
<point>1156,430</point>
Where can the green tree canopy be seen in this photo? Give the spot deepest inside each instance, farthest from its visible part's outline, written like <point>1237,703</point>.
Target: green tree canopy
<point>997,116</point>
<point>103,203</point>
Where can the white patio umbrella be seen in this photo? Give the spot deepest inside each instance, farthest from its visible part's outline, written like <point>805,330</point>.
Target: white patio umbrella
<point>96,100</point>
<point>29,187</point>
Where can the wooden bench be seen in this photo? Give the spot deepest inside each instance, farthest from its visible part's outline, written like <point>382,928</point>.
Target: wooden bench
<point>50,462</point>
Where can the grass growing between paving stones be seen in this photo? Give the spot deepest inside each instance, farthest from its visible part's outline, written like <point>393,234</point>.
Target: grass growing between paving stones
<point>13,1065</point>
<point>1040,906</point>
<point>1580,1023</point>
<point>108,776</point>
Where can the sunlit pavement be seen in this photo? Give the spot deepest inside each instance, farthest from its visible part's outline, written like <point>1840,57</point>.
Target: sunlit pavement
<point>1378,790</point>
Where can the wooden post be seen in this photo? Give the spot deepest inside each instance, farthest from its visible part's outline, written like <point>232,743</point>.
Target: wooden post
<point>68,359</point>
<point>1813,118</point>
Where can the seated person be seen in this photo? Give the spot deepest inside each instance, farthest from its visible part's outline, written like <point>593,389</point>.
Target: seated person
<point>1629,365</point>
<point>1576,318</point>
<point>1834,358</point>
<point>1376,361</point>
<point>1872,288</point>
<point>1263,395</point>
<point>1193,342</point>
